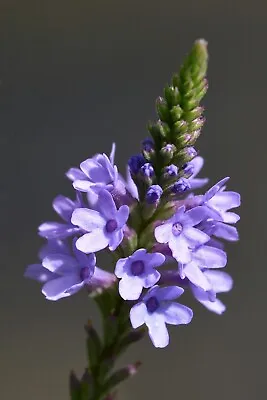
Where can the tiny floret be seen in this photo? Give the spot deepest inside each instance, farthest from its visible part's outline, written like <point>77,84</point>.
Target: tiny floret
<point>157,309</point>
<point>138,272</point>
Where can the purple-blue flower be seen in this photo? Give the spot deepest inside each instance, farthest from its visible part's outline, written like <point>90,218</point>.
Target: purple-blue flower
<point>220,282</point>
<point>137,272</point>
<point>64,207</point>
<point>180,233</point>
<point>105,226</point>
<point>203,258</point>
<point>156,309</point>
<point>96,173</point>
<point>217,202</point>
<point>63,274</point>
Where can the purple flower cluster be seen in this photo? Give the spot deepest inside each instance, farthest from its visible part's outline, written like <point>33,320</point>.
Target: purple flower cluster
<point>173,226</point>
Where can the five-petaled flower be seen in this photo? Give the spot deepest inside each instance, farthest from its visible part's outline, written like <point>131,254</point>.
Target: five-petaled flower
<point>138,272</point>
<point>156,309</point>
<point>104,227</point>
<point>180,233</point>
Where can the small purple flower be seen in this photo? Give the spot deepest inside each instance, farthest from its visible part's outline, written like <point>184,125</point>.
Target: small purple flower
<point>135,163</point>
<point>180,234</point>
<point>64,207</point>
<point>156,309</point>
<point>220,282</point>
<point>63,274</point>
<point>98,172</point>
<point>153,194</point>
<point>203,258</point>
<point>138,272</point>
<point>181,186</point>
<point>104,227</point>
<point>197,183</point>
<point>218,202</point>
<point>171,170</point>
<point>147,170</point>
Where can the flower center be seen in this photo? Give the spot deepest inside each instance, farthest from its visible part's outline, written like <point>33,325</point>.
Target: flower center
<point>111,225</point>
<point>177,229</point>
<point>85,273</point>
<point>152,304</point>
<point>137,267</point>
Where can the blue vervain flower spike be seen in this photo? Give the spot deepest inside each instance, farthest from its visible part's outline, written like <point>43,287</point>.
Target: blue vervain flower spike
<point>163,237</point>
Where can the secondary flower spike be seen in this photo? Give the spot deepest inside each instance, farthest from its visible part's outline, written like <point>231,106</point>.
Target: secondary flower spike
<point>105,227</point>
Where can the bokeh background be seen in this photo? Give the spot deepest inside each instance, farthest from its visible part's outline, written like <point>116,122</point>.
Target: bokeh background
<point>77,75</point>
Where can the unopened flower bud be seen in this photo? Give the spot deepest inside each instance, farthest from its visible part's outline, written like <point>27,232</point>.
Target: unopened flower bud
<point>180,186</point>
<point>135,163</point>
<point>153,194</point>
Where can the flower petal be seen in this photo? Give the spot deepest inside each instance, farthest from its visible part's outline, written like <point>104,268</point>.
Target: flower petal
<point>92,241</point>
<point>60,263</point>
<point>151,279</point>
<point>64,207</point>
<point>39,273</point>
<point>75,174</point>
<point>106,205</point>
<point>163,232</point>
<point>177,314</point>
<point>194,216</point>
<point>115,239</point>
<point>56,230</point>
<point>87,219</point>
<point>225,200</point>
<point>220,281</point>
<point>122,215</point>
<point>195,236</point>
<point>57,287</point>
<point>157,330</point>
<point>226,232</point>
<point>179,248</point>
<point>211,257</point>
<point>130,287</point>
<point>169,293</point>
<point>197,183</point>
<point>137,315</point>
<point>121,267</point>
<point>196,276</point>
<point>82,185</point>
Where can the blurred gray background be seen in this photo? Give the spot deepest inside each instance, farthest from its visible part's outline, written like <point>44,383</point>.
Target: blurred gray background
<point>77,75</point>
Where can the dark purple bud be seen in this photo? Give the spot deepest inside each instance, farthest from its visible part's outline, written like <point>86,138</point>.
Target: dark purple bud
<point>180,186</point>
<point>135,163</point>
<point>171,170</point>
<point>148,145</point>
<point>153,194</point>
<point>147,170</point>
